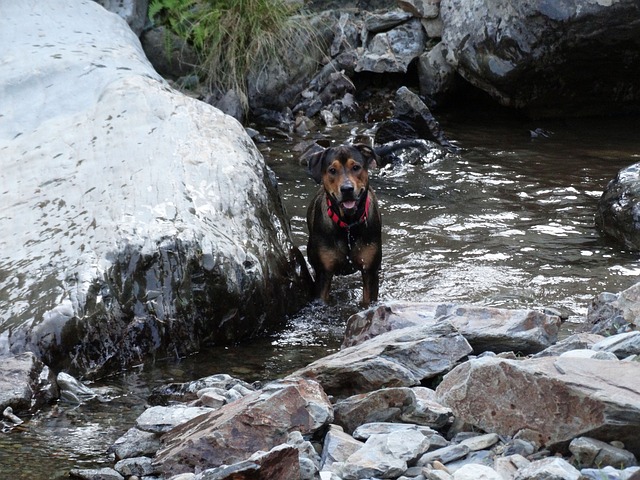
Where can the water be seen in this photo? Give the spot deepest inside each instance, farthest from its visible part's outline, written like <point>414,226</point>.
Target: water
<point>508,222</point>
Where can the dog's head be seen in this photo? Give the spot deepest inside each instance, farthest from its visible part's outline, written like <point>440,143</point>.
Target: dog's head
<point>344,173</point>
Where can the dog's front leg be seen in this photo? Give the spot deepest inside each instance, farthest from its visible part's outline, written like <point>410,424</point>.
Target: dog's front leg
<point>370,285</point>
<point>323,284</point>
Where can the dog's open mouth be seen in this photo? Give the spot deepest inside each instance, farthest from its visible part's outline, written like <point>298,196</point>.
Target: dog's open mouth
<point>349,204</point>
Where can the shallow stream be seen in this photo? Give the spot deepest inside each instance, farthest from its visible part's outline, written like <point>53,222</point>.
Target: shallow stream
<point>508,223</point>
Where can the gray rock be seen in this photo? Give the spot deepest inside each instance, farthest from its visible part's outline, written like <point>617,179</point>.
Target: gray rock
<point>421,8</point>
<point>364,431</point>
<point>444,455</point>
<point>392,50</point>
<point>73,390</point>
<point>609,473</point>
<point>508,466</point>
<point>485,328</point>
<point>572,342</point>
<point>95,474</point>
<point>436,74</point>
<point>337,447</point>
<point>481,442</point>
<point>139,466</point>
<point>149,219</point>
<point>394,359</point>
<point>548,58</point>
<point>617,213</point>
<point>162,419</point>
<point>389,405</point>
<point>585,353</point>
<point>135,443</point>
<point>552,468</point>
<point>476,472</point>
<point>383,456</point>
<point>25,383</point>
<point>169,54</point>
<point>134,12</point>
<point>622,345</point>
<point>590,452</point>
<point>610,314</point>
<point>602,397</point>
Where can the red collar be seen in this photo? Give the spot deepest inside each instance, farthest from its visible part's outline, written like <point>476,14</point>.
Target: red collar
<point>333,215</point>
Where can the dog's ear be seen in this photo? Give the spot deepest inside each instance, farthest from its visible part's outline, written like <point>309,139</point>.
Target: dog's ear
<point>314,165</point>
<point>369,155</point>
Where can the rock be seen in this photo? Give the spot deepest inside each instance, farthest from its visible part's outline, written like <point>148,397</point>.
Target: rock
<point>25,383</point>
<point>169,54</point>
<point>393,359</point>
<point>135,443</point>
<point>610,473</point>
<point>586,353</point>
<point>337,447</point>
<point>310,461</point>
<point>185,392</point>
<point>259,421</point>
<point>421,8</point>
<point>485,328</point>
<point>476,472</point>
<point>134,12</point>
<point>139,466</point>
<point>73,390</point>
<point>163,419</point>
<point>436,74</point>
<point>444,455</point>
<point>572,342</point>
<point>590,452</point>
<point>622,345</point>
<point>95,474</point>
<point>365,430</point>
<point>389,405</point>
<point>547,58</point>
<point>507,396</point>
<point>617,214</point>
<point>610,314</point>
<point>481,442</point>
<point>552,468</point>
<point>279,462</point>
<point>148,221</point>
<point>383,456</point>
<point>391,50</point>
<point>507,466</point>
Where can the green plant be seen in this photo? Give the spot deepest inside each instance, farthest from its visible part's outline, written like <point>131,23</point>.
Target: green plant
<point>234,37</point>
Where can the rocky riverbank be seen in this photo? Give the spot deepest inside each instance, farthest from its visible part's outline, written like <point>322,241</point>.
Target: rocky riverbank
<point>408,397</point>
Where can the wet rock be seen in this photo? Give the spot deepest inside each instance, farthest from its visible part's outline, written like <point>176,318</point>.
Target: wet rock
<point>392,359</point>
<point>610,313</point>
<point>73,390</point>
<point>25,384</point>
<point>485,328</point>
<point>188,391</point>
<point>547,58</point>
<point>390,405</point>
<point>148,221</point>
<point>551,468</point>
<point>617,214</point>
<point>390,50</point>
<point>436,74</point>
<point>590,452</point>
<point>507,396</point>
<point>259,421</point>
<point>135,443</point>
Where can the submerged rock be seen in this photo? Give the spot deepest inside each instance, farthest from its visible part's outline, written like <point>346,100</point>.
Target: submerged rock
<point>139,220</point>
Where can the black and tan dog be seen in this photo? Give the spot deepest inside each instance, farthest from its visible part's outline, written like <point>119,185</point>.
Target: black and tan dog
<point>343,219</point>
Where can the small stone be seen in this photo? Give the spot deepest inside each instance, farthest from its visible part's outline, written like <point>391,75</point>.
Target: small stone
<point>476,472</point>
<point>444,455</point>
<point>95,474</point>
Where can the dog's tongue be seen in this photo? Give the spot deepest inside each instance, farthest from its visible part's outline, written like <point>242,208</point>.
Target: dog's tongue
<point>349,205</point>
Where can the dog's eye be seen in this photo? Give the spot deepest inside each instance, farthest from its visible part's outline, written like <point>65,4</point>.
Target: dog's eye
<point>356,168</point>
<point>333,171</point>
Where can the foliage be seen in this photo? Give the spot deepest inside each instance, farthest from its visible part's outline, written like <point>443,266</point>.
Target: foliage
<point>234,37</point>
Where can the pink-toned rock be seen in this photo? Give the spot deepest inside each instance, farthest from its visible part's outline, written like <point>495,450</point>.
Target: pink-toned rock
<point>548,400</point>
<point>259,421</point>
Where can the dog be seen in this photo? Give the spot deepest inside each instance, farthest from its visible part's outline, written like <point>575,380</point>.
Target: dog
<point>345,226</point>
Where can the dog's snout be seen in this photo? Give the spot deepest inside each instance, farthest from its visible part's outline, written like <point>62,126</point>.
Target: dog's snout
<point>347,189</point>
